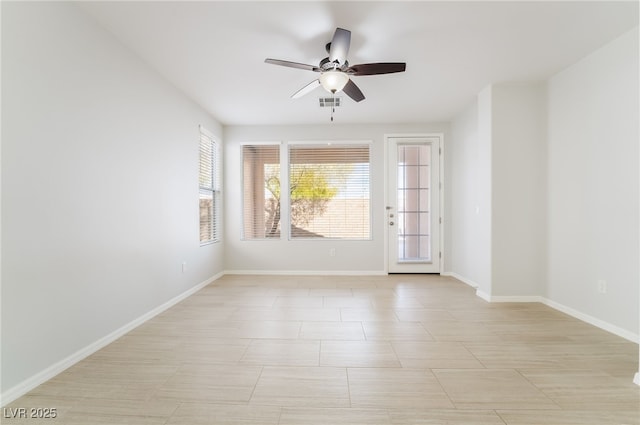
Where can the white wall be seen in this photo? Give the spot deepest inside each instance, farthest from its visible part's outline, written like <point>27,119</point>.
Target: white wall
<point>563,191</point>
<point>309,256</point>
<point>498,191</point>
<point>483,174</point>
<point>99,189</point>
<point>518,189</point>
<point>469,257</point>
<point>593,184</point>
<point>469,219</point>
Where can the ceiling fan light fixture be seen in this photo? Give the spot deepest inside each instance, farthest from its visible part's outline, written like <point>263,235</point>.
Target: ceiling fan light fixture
<point>335,71</point>
<point>333,81</point>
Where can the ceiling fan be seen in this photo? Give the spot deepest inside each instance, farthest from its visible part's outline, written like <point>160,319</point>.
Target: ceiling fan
<point>335,72</point>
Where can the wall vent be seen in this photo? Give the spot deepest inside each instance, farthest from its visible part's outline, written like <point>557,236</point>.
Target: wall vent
<point>327,102</point>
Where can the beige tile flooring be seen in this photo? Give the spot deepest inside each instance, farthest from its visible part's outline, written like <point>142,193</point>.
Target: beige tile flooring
<point>369,350</point>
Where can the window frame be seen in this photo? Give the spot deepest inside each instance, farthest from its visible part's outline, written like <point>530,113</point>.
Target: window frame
<point>324,144</point>
<point>284,199</point>
<point>214,191</point>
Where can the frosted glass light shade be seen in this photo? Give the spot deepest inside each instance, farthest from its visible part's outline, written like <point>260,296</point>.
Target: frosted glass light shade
<point>333,81</point>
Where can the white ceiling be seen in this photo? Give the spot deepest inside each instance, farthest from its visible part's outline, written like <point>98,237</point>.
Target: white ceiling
<point>214,51</point>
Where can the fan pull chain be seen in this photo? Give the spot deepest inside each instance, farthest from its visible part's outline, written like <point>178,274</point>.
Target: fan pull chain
<point>333,103</point>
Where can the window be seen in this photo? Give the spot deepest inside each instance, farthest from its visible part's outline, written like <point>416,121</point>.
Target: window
<point>209,179</point>
<point>261,191</point>
<point>329,191</point>
<point>327,196</point>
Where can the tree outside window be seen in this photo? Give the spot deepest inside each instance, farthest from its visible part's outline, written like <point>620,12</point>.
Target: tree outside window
<point>328,192</point>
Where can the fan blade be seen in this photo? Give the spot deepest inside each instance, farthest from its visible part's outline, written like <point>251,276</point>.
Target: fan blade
<point>306,89</point>
<point>353,91</point>
<point>377,68</point>
<point>292,64</point>
<point>340,46</point>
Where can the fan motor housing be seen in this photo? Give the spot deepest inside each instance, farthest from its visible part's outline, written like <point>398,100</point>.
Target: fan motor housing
<point>326,65</point>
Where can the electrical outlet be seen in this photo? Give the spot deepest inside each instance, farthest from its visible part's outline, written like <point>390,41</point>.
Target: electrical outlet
<point>184,266</point>
<point>602,286</point>
<point>332,252</point>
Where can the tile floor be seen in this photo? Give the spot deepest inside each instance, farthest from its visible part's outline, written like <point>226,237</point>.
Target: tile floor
<point>374,350</point>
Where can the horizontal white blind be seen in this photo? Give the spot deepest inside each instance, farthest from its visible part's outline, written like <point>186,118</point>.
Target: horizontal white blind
<point>329,191</point>
<point>261,191</point>
<point>209,183</point>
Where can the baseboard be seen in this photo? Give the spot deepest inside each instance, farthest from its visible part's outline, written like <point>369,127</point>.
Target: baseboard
<point>516,299</point>
<point>41,377</point>
<point>483,295</point>
<point>623,333</point>
<point>461,279</point>
<point>469,282</point>
<point>307,272</point>
<point>630,336</point>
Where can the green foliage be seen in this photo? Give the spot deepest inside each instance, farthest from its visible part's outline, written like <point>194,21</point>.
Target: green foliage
<point>310,183</point>
<point>309,194</point>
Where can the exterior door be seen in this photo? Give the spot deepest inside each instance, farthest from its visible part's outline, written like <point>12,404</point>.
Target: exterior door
<point>413,208</point>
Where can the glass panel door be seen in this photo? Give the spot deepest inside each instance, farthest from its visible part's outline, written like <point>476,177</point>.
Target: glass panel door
<point>413,203</point>
<point>413,209</point>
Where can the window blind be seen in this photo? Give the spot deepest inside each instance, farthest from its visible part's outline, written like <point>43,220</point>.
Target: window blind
<point>209,183</point>
<point>329,191</point>
<point>261,191</point>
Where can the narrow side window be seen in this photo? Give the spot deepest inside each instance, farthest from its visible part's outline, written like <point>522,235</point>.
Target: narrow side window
<point>261,192</point>
<point>209,181</point>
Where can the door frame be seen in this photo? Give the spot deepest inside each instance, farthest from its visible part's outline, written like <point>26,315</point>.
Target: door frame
<point>441,151</point>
